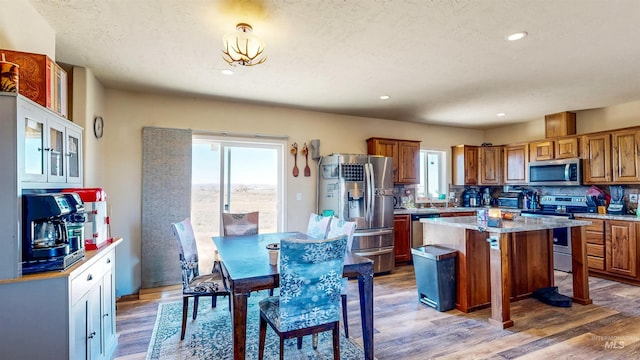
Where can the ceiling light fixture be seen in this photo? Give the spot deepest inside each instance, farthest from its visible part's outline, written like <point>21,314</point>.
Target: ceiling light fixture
<point>385,97</point>
<point>242,47</point>
<point>517,36</point>
<point>500,114</point>
<point>226,72</point>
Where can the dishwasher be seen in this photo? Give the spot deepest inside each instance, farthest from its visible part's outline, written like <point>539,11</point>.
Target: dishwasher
<point>416,227</point>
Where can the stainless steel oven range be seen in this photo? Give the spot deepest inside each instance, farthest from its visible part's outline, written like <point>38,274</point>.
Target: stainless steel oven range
<point>565,206</point>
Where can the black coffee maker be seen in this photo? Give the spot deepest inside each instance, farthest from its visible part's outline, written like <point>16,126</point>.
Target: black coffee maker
<point>51,239</point>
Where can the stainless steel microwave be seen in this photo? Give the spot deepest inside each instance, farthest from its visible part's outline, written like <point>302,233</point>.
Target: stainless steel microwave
<point>562,172</point>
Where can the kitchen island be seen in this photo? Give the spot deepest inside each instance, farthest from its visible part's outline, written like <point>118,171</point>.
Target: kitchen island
<point>498,264</point>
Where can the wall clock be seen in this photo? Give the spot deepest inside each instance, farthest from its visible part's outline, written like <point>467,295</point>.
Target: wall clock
<point>98,126</point>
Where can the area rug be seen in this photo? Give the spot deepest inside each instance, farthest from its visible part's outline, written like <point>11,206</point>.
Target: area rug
<point>210,336</point>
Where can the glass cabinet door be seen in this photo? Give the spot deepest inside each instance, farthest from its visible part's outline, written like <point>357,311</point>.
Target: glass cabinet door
<point>57,161</point>
<point>74,159</point>
<point>34,149</point>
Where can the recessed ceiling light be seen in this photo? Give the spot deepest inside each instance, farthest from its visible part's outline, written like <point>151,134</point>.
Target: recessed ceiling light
<point>385,97</point>
<point>517,36</point>
<point>501,114</point>
<point>227,72</point>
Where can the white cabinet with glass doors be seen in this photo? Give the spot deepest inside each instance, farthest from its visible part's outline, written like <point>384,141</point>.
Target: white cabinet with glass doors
<point>49,147</point>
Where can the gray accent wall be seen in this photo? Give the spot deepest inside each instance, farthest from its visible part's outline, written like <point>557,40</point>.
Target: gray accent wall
<point>166,198</point>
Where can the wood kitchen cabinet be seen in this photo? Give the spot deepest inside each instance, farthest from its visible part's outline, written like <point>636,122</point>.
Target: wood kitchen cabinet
<point>613,249</point>
<point>402,238</point>
<point>611,157</point>
<point>560,124</point>
<point>596,158</point>
<point>625,152</point>
<point>621,248</point>
<point>405,154</point>
<point>490,165</point>
<point>541,150</point>
<point>516,159</point>
<point>564,148</point>
<point>464,165</point>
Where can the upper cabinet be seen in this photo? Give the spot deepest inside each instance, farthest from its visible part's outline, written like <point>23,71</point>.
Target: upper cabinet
<point>464,165</point>
<point>560,124</point>
<point>626,155</point>
<point>49,147</point>
<point>405,154</point>
<point>563,148</point>
<point>490,165</point>
<point>516,158</point>
<point>611,157</point>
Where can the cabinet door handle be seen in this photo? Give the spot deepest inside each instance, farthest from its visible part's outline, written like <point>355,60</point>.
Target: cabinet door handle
<point>91,335</point>
<point>89,277</point>
<point>108,261</point>
<point>105,315</point>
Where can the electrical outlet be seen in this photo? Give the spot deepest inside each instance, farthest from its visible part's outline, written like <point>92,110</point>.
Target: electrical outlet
<point>633,198</point>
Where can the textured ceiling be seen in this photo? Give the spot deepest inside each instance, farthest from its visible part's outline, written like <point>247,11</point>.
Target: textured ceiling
<point>442,62</point>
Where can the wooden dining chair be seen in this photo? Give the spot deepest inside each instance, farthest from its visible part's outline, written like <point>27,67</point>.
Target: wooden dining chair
<point>194,285</point>
<point>309,300</point>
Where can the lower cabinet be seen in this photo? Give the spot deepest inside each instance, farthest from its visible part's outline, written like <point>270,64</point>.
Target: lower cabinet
<point>612,249</point>
<point>402,238</point>
<point>67,315</point>
<point>93,311</point>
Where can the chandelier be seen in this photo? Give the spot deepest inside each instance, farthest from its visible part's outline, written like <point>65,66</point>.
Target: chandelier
<point>242,47</point>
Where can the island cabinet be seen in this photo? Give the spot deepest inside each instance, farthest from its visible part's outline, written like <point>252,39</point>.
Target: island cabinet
<point>402,238</point>
<point>62,315</point>
<point>490,165</point>
<point>530,263</point>
<point>405,154</point>
<point>464,165</point>
<point>516,159</point>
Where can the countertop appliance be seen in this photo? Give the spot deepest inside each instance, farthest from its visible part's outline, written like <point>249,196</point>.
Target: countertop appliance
<point>360,188</point>
<point>561,172</point>
<point>513,200</point>
<point>565,206</point>
<point>52,231</point>
<point>616,205</point>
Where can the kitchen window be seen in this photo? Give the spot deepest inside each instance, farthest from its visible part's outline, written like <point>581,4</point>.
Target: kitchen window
<point>432,174</point>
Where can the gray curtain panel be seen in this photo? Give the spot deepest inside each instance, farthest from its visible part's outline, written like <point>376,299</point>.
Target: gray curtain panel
<point>166,198</point>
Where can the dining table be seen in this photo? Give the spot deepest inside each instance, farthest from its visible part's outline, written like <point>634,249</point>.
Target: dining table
<point>245,259</point>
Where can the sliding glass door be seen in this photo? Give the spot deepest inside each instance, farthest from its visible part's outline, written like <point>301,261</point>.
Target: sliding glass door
<point>235,176</point>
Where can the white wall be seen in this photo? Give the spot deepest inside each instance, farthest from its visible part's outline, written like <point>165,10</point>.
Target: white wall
<point>128,112</point>
<point>587,121</point>
<point>23,29</point>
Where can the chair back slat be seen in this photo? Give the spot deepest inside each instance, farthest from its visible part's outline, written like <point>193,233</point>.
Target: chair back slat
<point>310,281</point>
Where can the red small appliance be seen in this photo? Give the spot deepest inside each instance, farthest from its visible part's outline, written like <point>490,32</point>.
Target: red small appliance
<point>96,227</point>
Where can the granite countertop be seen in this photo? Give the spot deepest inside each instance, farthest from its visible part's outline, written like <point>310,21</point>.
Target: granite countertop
<point>518,224</point>
<point>439,210</point>
<point>607,216</point>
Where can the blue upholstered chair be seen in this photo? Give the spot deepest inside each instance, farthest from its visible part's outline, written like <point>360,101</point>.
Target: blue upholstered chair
<point>318,226</point>
<point>240,224</point>
<point>194,285</point>
<point>310,285</point>
<point>337,228</point>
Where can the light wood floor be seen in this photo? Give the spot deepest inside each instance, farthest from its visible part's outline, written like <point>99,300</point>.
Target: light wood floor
<point>406,329</point>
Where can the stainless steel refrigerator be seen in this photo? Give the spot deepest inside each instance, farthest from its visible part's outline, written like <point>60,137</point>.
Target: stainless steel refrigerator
<point>360,188</point>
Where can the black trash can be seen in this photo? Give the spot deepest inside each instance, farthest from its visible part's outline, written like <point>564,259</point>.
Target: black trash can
<point>435,268</point>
